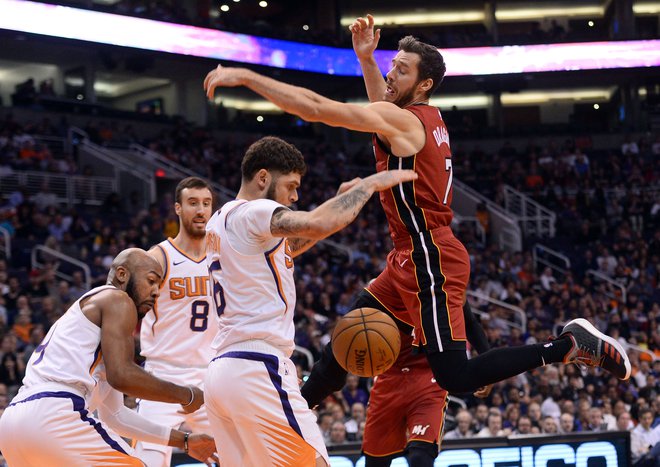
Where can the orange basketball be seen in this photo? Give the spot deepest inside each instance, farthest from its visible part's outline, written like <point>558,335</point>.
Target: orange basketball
<point>366,342</point>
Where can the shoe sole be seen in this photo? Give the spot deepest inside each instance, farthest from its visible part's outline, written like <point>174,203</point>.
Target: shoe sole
<point>583,323</point>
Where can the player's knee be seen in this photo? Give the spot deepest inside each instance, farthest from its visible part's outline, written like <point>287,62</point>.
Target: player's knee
<point>449,372</point>
<point>421,454</point>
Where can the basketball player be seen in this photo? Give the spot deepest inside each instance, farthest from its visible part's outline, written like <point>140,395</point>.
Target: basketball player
<point>176,336</point>
<point>426,276</point>
<point>398,424</point>
<point>49,421</point>
<point>257,414</point>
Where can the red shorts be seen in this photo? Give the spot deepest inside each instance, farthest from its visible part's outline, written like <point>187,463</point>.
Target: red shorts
<point>424,284</point>
<point>404,406</point>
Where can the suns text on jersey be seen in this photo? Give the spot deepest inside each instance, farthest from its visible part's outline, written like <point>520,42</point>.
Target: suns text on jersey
<point>181,287</point>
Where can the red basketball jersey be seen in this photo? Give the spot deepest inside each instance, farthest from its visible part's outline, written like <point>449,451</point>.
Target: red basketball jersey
<point>423,204</point>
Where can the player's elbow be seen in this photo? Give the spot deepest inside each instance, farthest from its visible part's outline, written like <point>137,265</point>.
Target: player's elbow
<point>118,380</point>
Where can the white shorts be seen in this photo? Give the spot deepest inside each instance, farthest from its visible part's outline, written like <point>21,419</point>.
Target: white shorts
<point>54,428</point>
<point>171,415</point>
<point>257,415</point>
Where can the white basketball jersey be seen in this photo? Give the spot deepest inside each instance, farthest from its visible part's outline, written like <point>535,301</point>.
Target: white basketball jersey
<point>181,327</point>
<point>70,353</point>
<point>252,275</point>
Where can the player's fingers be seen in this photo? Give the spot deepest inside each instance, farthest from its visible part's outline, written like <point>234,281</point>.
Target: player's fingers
<point>363,23</point>
<point>377,35</point>
<point>370,21</point>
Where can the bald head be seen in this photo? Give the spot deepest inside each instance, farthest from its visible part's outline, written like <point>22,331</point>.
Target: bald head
<point>133,260</point>
<point>138,274</point>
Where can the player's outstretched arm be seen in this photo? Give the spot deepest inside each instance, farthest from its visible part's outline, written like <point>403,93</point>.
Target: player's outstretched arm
<point>299,245</point>
<point>133,425</point>
<point>336,213</point>
<point>365,42</point>
<point>383,118</point>
<point>118,320</point>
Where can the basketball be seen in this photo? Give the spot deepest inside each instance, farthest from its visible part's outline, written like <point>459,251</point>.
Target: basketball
<point>366,342</point>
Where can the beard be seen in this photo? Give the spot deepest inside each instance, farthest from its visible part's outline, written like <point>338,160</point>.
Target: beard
<point>270,193</point>
<point>131,290</point>
<point>192,232</point>
<point>403,100</point>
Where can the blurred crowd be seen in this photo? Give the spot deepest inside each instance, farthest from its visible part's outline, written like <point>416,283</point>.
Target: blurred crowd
<point>607,206</point>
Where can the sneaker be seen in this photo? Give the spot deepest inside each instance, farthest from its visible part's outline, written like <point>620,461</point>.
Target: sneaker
<point>592,347</point>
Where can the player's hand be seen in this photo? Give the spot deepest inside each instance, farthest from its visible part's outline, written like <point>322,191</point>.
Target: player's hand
<point>388,178</point>
<point>202,448</point>
<point>344,187</point>
<point>365,40</point>
<point>483,391</point>
<point>197,401</point>
<point>223,77</point>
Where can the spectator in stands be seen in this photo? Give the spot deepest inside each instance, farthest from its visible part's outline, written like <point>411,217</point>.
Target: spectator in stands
<point>480,417</point>
<point>524,426</point>
<point>352,393</point>
<point>358,415</point>
<point>566,423</point>
<point>78,287</point>
<point>463,426</point>
<point>624,422</point>
<point>324,422</point>
<point>549,425</point>
<point>11,371</point>
<point>595,420</point>
<point>44,198</point>
<point>493,426</point>
<point>643,438</point>
<point>337,434</point>
<point>534,413</point>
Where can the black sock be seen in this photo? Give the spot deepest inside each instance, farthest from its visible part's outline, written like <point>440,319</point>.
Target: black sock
<point>555,351</point>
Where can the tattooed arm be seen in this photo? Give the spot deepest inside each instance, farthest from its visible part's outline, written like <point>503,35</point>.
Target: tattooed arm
<point>300,245</point>
<point>336,213</point>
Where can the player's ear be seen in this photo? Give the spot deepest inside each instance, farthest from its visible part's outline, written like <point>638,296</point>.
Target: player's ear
<point>262,178</point>
<point>177,209</point>
<point>122,275</point>
<point>426,85</point>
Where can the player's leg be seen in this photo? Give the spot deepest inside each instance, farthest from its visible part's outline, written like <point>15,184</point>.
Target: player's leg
<point>222,429</point>
<point>260,394</point>
<point>420,454</point>
<point>425,417</point>
<point>436,287</point>
<point>327,376</point>
<point>157,455</point>
<point>54,428</point>
<point>385,427</point>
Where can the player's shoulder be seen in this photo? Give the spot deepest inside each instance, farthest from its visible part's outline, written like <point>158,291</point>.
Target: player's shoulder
<point>254,207</point>
<point>109,297</point>
<point>158,253</point>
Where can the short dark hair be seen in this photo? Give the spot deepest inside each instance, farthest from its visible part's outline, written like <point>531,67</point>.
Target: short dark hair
<point>431,63</point>
<point>191,182</point>
<point>273,154</point>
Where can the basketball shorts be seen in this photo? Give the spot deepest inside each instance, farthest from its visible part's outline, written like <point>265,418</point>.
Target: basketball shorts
<point>423,285</point>
<point>50,426</point>
<point>405,405</point>
<point>171,415</point>
<point>257,415</point>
